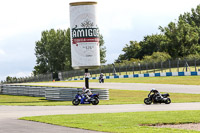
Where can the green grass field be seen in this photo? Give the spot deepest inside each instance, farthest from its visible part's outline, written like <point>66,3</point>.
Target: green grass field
<point>116,97</point>
<point>129,122</point>
<point>183,80</point>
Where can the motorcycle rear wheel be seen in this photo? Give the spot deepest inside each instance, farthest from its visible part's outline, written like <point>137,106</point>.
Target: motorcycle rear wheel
<point>168,101</point>
<point>95,102</point>
<point>147,101</point>
<point>75,102</point>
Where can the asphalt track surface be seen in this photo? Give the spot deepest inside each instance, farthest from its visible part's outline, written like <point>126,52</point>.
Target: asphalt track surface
<point>9,114</point>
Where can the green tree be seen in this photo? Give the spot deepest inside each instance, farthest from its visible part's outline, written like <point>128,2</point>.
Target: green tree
<point>102,49</point>
<point>157,57</point>
<point>151,44</point>
<point>178,39</point>
<point>193,17</point>
<point>193,56</point>
<point>8,79</point>
<point>135,50</point>
<point>183,37</point>
<point>53,52</point>
<point>130,51</point>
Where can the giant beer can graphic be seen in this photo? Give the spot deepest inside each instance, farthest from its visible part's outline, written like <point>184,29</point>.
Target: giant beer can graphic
<point>84,35</point>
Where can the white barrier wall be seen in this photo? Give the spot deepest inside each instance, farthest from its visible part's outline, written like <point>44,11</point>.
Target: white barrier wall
<point>50,93</point>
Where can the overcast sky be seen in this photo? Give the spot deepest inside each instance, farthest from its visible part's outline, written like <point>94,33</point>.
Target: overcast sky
<point>22,21</point>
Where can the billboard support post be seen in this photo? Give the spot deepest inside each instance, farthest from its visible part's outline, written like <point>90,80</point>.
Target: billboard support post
<point>86,79</point>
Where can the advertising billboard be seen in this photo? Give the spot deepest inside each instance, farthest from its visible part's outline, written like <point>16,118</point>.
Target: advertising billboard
<point>84,33</point>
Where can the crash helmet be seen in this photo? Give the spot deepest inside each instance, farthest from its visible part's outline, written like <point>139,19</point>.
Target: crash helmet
<point>84,88</point>
<point>154,90</point>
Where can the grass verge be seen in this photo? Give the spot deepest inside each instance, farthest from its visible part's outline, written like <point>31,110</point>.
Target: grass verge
<point>183,80</point>
<point>123,122</point>
<point>116,97</point>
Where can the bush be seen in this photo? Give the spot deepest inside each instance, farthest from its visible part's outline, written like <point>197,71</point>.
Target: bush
<point>157,57</point>
<point>193,56</point>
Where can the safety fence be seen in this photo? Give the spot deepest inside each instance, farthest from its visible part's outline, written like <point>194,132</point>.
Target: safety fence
<point>137,68</point>
<point>147,75</point>
<point>118,69</point>
<point>50,93</point>
<point>167,68</point>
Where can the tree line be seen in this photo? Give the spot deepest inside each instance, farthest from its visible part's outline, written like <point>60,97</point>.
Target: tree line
<point>180,39</point>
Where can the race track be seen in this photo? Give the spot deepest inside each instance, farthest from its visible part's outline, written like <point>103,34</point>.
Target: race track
<point>10,114</point>
<point>193,89</point>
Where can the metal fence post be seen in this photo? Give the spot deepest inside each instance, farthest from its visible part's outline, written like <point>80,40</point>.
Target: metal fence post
<point>126,69</point>
<point>78,74</point>
<point>139,67</point>
<point>100,69</point>
<point>114,70</point>
<point>195,63</point>
<point>109,70</point>
<point>186,65</point>
<point>170,66</point>
<point>74,72</point>
<point>104,71</point>
<point>146,67</point>
<point>178,65</point>
<point>119,70</point>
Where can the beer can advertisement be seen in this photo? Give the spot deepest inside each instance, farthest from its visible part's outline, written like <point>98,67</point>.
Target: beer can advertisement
<point>84,35</point>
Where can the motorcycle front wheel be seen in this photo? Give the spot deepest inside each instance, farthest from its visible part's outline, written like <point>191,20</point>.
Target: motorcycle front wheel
<point>95,102</point>
<point>168,101</point>
<point>75,102</point>
<point>147,101</point>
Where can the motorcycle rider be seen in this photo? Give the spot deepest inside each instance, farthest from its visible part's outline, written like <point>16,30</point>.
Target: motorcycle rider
<point>86,93</point>
<point>101,77</point>
<point>157,94</point>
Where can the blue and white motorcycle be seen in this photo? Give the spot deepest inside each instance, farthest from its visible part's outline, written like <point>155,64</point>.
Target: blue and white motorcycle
<point>81,99</point>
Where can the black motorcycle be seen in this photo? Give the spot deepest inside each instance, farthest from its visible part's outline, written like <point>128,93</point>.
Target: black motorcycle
<point>101,80</point>
<point>156,97</point>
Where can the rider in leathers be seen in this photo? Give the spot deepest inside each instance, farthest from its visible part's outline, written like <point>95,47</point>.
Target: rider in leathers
<point>86,94</point>
<point>157,94</point>
<point>101,77</point>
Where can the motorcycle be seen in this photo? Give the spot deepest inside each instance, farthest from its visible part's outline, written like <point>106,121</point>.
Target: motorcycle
<point>80,99</point>
<point>156,97</point>
<point>101,80</point>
